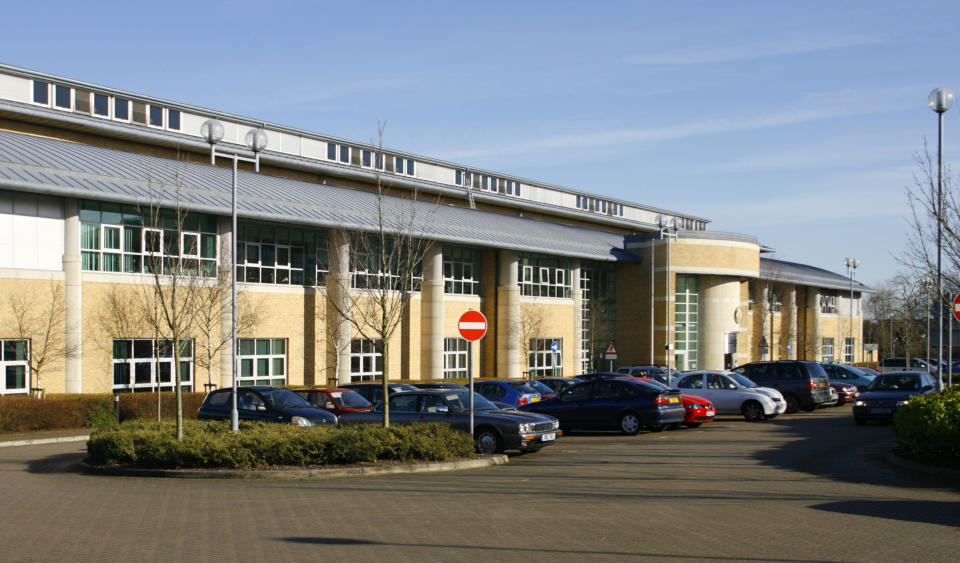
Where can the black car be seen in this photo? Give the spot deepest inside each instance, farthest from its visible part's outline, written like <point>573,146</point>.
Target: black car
<point>263,403</point>
<point>609,403</point>
<point>889,391</point>
<point>439,385</point>
<point>495,430</point>
<point>804,385</point>
<point>559,384</point>
<point>373,391</point>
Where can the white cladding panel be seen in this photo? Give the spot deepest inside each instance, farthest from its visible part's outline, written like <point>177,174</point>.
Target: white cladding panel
<point>15,88</point>
<point>311,148</point>
<point>31,232</point>
<point>426,171</point>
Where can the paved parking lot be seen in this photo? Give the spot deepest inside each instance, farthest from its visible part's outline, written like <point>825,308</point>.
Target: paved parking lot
<point>803,487</point>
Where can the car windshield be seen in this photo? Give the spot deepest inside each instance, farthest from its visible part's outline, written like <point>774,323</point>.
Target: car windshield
<point>460,401</point>
<point>349,399</point>
<point>742,380</point>
<point>540,387</point>
<point>283,398</point>
<point>907,382</point>
<point>522,387</point>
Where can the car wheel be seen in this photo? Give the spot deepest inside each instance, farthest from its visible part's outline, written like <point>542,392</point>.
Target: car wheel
<point>752,411</point>
<point>629,423</point>
<point>860,420</point>
<point>793,404</point>
<point>694,424</point>
<point>488,441</point>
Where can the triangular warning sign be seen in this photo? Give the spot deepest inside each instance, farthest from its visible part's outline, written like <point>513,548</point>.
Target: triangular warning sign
<point>611,349</point>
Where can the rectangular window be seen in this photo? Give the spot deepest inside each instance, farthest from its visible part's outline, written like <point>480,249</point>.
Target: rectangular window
<point>461,271</point>
<point>121,109</point>
<point>263,361</point>
<point>101,105</point>
<point>546,357</point>
<point>464,178</point>
<point>848,347</point>
<point>156,115</point>
<point>173,119</point>
<point>14,366</point>
<point>81,101</point>
<point>62,96</point>
<point>140,113</point>
<point>41,92</point>
<point>456,358</point>
<point>827,351</point>
<point>545,276</point>
<point>828,303</point>
<point>366,359</point>
<point>687,319</point>
<point>147,364</point>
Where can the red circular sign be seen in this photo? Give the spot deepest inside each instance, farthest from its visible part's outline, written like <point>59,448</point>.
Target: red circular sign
<point>472,325</point>
<point>956,306</point>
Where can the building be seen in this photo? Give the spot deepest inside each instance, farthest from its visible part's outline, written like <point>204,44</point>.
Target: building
<point>99,188</point>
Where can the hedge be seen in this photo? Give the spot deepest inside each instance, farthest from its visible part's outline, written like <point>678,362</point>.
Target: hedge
<point>211,444</point>
<point>929,427</point>
<point>20,413</point>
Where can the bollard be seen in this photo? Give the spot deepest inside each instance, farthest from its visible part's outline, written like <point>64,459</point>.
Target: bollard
<point>116,405</point>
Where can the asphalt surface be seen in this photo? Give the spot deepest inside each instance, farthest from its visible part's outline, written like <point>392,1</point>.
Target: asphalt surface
<point>803,487</point>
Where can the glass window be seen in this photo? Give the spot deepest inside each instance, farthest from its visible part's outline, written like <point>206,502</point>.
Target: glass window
<point>41,92</point>
<point>81,101</point>
<point>687,322</point>
<point>263,361</point>
<point>156,116</point>
<point>121,109</point>
<point>139,113</point>
<point>15,366</point>
<point>461,270</point>
<point>101,105</point>
<point>61,97</point>
<point>545,357</point>
<point>173,119</point>
<point>827,351</point>
<point>456,358</point>
<point>366,359</point>
<point>545,276</point>
<point>151,365</point>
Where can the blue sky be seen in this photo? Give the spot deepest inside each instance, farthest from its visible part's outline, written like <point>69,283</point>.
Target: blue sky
<point>796,122</point>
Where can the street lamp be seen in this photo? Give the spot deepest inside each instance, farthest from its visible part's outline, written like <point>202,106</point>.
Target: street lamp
<point>256,139</point>
<point>851,264</point>
<point>940,100</point>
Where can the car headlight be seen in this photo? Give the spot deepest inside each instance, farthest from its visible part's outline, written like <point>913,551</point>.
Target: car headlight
<point>860,404</point>
<point>901,403</point>
<point>300,421</point>
<point>526,427</point>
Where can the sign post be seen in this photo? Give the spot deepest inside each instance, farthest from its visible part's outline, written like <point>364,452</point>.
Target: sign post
<point>472,326</point>
<point>610,354</point>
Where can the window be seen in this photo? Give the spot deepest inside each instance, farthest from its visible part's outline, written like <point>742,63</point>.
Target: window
<point>464,178</point>
<point>173,119</point>
<point>14,366</point>
<point>366,359</point>
<point>848,350</point>
<point>598,314</point>
<point>81,101</point>
<point>461,271</point>
<point>280,255</point>
<point>456,358</point>
<point>41,92</point>
<point>686,329</point>
<point>62,97</point>
<point>121,109</point>
<point>263,361</point>
<point>144,364</point>
<point>403,165</point>
<point>545,276</point>
<point>115,238</point>
<point>546,357</point>
<point>828,303</point>
<point>156,116</point>
<point>370,159</point>
<point>369,273</point>
<point>827,351</point>
<point>101,105</point>
<point>340,153</point>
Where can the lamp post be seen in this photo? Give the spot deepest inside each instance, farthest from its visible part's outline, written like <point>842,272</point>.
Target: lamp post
<point>256,139</point>
<point>851,264</point>
<point>940,100</point>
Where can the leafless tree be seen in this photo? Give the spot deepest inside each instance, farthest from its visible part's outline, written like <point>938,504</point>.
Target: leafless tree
<point>39,318</point>
<point>532,318</point>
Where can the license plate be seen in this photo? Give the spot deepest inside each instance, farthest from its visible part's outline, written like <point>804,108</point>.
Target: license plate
<point>881,411</point>
<point>674,399</point>
<point>534,399</point>
<point>548,437</point>
<point>711,413</point>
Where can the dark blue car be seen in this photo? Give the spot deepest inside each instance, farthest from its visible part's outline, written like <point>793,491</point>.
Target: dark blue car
<point>889,391</point>
<point>515,393</point>
<point>619,404</point>
<point>263,403</point>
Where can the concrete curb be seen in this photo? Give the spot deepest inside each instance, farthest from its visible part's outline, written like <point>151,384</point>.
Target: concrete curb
<point>36,441</point>
<point>297,474</point>
<point>904,463</point>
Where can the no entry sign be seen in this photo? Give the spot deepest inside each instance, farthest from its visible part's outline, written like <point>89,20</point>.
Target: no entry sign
<point>956,306</point>
<point>472,325</point>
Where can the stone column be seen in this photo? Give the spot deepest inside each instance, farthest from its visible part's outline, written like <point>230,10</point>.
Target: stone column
<point>789,329</point>
<point>764,324</point>
<point>339,328</point>
<point>719,300</point>
<point>814,335</point>
<point>577,319</point>
<point>72,302</point>
<point>509,361</point>
<point>432,314</point>
<point>224,227</point>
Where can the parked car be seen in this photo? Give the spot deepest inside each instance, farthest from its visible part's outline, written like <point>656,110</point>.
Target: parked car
<point>901,364</point>
<point>264,403</point>
<point>889,391</point>
<point>845,392</point>
<point>373,391</point>
<point>439,385</point>
<point>858,377</point>
<point>604,375</point>
<point>337,401</point>
<point>612,403</point>
<point>513,392</point>
<point>495,430</point>
<point>732,393</point>
<point>803,384</point>
<point>546,392</point>
<point>697,409</point>
<point>559,384</point>
<point>661,373</point>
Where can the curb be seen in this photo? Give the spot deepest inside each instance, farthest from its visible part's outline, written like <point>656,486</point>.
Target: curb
<point>36,441</point>
<point>297,474</point>
<point>904,463</point>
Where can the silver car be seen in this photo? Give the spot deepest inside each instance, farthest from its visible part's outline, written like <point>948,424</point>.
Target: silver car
<point>732,393</point>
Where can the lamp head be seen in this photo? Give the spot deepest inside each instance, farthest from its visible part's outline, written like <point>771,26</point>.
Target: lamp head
<point>211,131</point>
<point>257,140</point>
<point>940,99</point>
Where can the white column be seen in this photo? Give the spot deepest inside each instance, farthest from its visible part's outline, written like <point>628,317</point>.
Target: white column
<point>814,336</point>
<point>577,320</point>
<point>224,225</point>
<point>719,300</point>
<point>73,295</point>
<point>432,314</point>
<point>339,329</point>
<point>789,329</point>
<point>509,358</point>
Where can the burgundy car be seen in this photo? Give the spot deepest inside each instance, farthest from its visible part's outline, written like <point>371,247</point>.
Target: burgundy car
<point>846,393</point>
<point>337,401</point>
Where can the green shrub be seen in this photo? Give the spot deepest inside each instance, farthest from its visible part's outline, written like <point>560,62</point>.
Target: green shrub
<point>144,443</point>
<point>929,427</point>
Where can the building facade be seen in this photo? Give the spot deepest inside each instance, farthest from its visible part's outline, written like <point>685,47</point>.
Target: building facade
<point>113,218</point>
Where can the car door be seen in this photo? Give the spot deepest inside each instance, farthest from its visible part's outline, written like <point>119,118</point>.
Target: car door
<point>603,409</point>
<point>251,406</point>
<point>570,405</point>
<point>694,385</point>
<point>718,390</point>
<point>403,407</point>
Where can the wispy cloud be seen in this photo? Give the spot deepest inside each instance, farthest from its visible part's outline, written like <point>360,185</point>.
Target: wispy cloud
<point>749,51</point>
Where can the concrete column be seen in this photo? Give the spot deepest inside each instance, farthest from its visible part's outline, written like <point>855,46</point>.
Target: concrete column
<point>432,314</point>
<point>764,324</point>
<point>789,329</point>
<point>509,358</point>
<point>577,319</point>
<point>719,300</point>
<point>339,329</point>
<point>224,227</point>
<point>73,295</point>
<point>814,334</point>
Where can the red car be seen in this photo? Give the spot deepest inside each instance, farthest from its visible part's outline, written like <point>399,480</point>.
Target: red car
<point>337,401</point>
<point>697,410</point>
<point>846,393</point>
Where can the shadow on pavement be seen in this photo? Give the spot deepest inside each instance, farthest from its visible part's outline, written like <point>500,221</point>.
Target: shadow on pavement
<point>928,512</point>
<point>60,463</point>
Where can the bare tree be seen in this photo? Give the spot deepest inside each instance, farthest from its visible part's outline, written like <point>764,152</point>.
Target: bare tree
<point>532,318</point>
<point>40,319</point>
<point>386,262</point>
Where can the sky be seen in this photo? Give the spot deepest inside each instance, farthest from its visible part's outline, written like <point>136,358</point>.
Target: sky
<point>796,122</point>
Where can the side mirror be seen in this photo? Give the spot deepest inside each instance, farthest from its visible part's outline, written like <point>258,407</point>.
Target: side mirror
<point>443,409</point>
<point>927,387</point>
<point>261,408</point>
<point>732,387</point>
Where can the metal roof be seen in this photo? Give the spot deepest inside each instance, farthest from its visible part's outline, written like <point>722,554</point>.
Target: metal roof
<point>802,274</point>
<point>61,168</point>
